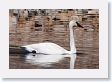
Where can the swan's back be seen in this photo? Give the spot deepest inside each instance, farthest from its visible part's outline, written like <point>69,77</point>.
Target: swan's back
<point>47,48</point>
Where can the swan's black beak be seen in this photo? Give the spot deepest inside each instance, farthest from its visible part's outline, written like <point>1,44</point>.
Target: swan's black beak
<point>79,25</point>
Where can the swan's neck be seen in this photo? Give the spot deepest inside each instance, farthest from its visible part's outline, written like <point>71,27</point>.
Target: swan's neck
<point>72,40</point>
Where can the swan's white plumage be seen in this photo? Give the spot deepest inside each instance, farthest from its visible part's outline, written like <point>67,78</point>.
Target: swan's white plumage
<point>46,48</point>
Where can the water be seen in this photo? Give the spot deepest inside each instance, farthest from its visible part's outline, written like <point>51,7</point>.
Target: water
<point>39,61</point>
<point>87,56</point>
<point>87,60</point>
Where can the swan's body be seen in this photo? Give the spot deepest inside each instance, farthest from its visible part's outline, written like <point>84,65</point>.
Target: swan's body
<point>46,48</point>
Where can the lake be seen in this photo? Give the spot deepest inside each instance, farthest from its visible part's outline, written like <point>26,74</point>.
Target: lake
<point>87,44</point>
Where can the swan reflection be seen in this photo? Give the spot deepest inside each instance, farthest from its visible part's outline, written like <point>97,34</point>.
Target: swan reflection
<point>48,60</point>
<point>42,59</point>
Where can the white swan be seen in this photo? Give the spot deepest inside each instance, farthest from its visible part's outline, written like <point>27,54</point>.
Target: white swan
<point>54,49</point>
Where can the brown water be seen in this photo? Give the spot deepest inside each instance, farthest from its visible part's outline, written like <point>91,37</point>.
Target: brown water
<point>87,44</point>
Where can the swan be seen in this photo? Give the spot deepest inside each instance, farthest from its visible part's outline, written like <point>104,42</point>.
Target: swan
<point>50,48</point>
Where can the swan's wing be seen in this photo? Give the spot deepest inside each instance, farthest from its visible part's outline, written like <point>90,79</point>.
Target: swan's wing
<point>48,48</point>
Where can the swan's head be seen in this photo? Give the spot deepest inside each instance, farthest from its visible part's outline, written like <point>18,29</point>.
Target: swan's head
<point>74,22</point>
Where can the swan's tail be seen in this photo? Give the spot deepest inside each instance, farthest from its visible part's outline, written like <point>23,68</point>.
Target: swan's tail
<point>24,50</point>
